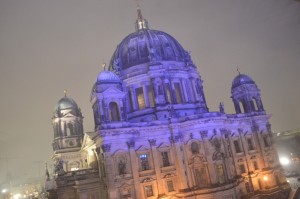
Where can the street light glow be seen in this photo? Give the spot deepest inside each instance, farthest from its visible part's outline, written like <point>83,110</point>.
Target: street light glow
<point>4,190</point>
<point>284,161</point>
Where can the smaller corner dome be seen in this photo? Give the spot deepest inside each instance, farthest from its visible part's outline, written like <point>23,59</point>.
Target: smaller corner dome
<point>241,79</point>
<point>108,77</point>
<point>66,103</point>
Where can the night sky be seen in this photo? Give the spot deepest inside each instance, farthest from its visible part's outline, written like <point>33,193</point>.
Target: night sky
<point>47,46</point>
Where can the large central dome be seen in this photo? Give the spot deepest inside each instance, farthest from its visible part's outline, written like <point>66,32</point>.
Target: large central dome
<point>146,45</point>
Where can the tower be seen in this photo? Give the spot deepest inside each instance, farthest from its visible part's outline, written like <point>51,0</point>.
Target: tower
<point>246,95</point>
<point>67,123</point>
<point>108,100</point>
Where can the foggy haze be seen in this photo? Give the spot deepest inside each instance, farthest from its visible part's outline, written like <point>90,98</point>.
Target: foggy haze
<point>48,46</point>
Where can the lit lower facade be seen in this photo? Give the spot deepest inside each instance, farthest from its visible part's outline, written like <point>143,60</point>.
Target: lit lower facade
<point>155,137</point>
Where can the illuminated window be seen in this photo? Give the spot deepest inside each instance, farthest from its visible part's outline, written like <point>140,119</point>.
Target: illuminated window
<point>144,162</point>
<point>140,98</point>
<point>170,186</point>
<point>165,159</point>
<point>255,106</point>
<point>250,144</point>
<point>178,93</point>
<point>148,190</point>
<point>237,146</point>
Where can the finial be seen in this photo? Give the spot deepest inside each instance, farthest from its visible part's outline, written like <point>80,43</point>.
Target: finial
<point>140,23</point>
<point>238,70</point>
<point>103,66</point>
<point>65,92</point>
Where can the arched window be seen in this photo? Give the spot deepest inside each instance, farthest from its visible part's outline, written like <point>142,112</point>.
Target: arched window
<point>194,148</point>
<point>255,105</point>
<point>168,89</point>
<point>178,93</point>
<point>242,107</point>
<point>114,114</point>
<point>140,98</point>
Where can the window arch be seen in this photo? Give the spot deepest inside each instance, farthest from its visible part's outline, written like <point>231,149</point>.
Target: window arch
<point>114,114</point>
<point>194,148</point>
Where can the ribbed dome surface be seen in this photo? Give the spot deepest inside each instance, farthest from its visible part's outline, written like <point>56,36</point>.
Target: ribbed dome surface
<point>66,103</point>
<point>241,79</point>
<point>146,45</point>
<point>107,77</point>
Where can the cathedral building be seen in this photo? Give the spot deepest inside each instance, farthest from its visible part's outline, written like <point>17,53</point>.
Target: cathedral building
<point>155,137</point>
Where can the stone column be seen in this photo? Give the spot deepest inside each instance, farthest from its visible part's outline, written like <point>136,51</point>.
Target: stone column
<point>259,145</point>
<point>173,96</point>
<point>194,89</point>
<point>135,169</point>
<point>237,106</point>
<point>210,165</point>
<point>156,161</point>
<point>108,164</point>
<point>134,99</point>
<point>178,155</point>
<point>184,92</point>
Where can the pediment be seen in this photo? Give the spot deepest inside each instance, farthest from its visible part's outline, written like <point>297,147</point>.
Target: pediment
<point>113,91</point>
<point>142,148</point>
<point>67,113</point>
<point>163,146</point>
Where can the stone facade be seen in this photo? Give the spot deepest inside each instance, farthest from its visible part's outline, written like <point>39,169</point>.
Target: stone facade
<point>155,137</point>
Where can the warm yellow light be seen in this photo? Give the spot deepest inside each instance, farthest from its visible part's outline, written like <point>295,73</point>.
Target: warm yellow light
<point>91,152</point>
<point>265,178</point>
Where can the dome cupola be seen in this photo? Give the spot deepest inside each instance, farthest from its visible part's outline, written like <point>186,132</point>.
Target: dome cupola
<point>241,79</point>
<point>67,105</point>
<point>246,95</point>
<point>108,77</point>
<point>153,73</point>
<point>67,124</point>
<point>146,45</point>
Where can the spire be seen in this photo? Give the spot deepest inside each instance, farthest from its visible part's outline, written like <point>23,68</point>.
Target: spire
<point>140,23</point>
<point>104,66</point>
<point>238,70</point>
<point>65,92</point>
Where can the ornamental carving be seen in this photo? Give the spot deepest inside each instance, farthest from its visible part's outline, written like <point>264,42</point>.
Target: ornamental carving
<point>130,144</point>
<point>216,143</point>
<point>152,142</point>
<point>218,156</point>
<point>204,134</point>
<point>106,147</point>
<point>147,180</point>
<point>255,127</point>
